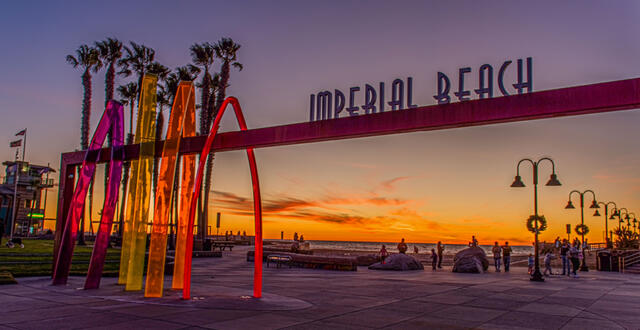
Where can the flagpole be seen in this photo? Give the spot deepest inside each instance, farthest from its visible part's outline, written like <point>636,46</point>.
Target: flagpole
<point>15,196</point>
<point>24,143</point>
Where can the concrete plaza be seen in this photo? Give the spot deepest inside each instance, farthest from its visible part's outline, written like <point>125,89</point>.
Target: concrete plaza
<point>316,299</point>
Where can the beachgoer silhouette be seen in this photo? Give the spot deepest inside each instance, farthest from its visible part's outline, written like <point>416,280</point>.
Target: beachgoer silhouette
<point>474,242</point>
<point>506,256</point>
<point>295,236</point>
<point>383,253</point>
<point>434,259</point>
<point>497,250</point>
<point>440,248</point>
<point>402,246</point>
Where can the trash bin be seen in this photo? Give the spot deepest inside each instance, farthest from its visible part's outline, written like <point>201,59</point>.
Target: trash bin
<point>604,261</point>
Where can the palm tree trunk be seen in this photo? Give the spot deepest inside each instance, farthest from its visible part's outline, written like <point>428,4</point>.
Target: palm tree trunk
<point>84,136</point>
<point>224,80</point>
<point>109,85</point>
<point>156,160</point>
<point>125,174</point>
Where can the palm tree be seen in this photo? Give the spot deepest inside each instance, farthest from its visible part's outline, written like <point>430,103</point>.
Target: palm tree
<point>137,59</point>
<point>202,56</point>
<point>162,99</point>
<point>226,50</point>
<point>88,59</point>
<point>109,51</point>
<point>128,92</point>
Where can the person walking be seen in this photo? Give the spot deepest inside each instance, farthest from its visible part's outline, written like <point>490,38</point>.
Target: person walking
<point>574,253</point>
<point>497,250</point>
<point>506,256</point>
<point>440,248</point>
<point>564,251</point>
<point>530,264</point>
<point>547,263</point>
<point>434,259</point>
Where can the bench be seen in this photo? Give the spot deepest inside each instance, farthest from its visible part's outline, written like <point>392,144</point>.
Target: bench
<point>278,260</point>
<point>221,246</point>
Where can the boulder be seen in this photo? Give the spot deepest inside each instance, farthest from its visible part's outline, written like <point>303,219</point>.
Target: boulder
<point>470,260</point>
<point>398,261</point>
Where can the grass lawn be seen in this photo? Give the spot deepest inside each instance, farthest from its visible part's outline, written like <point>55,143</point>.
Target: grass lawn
<point>37,256</point>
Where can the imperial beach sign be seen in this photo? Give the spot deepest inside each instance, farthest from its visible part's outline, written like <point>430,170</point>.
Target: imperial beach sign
<point>332,105</point>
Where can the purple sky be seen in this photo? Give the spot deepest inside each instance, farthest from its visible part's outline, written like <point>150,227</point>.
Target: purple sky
<point>455,180</point>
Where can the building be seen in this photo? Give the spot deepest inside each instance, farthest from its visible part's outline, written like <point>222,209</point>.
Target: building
<point>32,179</point>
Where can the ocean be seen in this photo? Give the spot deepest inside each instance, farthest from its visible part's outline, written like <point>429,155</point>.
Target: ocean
<point>391,247</point>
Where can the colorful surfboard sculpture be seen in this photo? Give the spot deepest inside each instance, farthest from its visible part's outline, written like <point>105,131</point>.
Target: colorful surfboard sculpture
<point>182,123</point>
<point>112,118</point>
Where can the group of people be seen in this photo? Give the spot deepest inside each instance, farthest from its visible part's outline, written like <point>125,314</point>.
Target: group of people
<point>500,254</point>
<point>228,235</point>
<point>436,256</point>
<point>298,239</point>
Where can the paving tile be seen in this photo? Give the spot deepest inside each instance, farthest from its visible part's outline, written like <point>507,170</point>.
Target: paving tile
<point>550,309</point>
<point>433,322</point>
<point>591,324</point>
<point>41,314</point>
<point>492,303</point>
<point>573,302</point>
<point>446,298</point>
<point>469,313</point>
<point>375,317</point>
<point>141,324</point>
<point>205,316</point>
<point>76,321</point>
<point>263,321</point>
<point>323,325</point>
<point>414,305</point>
<point>530,320</point>
<point>149,310</point>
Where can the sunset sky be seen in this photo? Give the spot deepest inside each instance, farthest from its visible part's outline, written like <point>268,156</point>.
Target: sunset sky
<point>425,186</point>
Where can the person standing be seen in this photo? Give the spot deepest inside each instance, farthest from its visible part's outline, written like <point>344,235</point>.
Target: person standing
<point>434,259</point>
<point>574,253</point>
<point>474,242</point>
<point>564,250</point>
<point>497,250</point>
<point>506,256</point>
<point>402,247</point>
<point>383,253</point>
<point>440,248</point>
<point>547,262</point>
<point>295,236</point>
<point>415,249</point>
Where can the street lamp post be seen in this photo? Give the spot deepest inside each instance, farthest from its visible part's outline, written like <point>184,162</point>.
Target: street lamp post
<point>594,205</point>
<point>619,215</point>
<point>517,183</point>
<point>606,219</point>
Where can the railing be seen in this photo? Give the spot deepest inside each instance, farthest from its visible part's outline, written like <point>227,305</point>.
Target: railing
<point>628,260</point>
<point>595,246</point>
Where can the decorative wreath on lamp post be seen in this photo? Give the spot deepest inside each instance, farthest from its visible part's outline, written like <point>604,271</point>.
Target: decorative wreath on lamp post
<point>582,229</point>
<point>542,223</point>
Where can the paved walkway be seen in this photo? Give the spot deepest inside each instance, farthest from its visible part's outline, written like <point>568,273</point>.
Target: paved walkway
<point>316,299</point>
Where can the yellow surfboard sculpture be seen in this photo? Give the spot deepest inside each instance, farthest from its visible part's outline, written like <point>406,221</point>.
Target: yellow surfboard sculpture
<point>138,198</point>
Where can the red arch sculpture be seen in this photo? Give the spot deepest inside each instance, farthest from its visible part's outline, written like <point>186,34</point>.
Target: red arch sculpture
<point>257,203</point>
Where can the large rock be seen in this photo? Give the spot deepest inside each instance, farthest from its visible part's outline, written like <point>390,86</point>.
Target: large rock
<point>398,261</point>
<point>471,260</point>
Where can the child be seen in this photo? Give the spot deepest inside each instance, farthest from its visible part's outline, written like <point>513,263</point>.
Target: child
<point>530,261</point>
<point>383,253</point>
<point>434,259</point>
<point>547,263</point>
